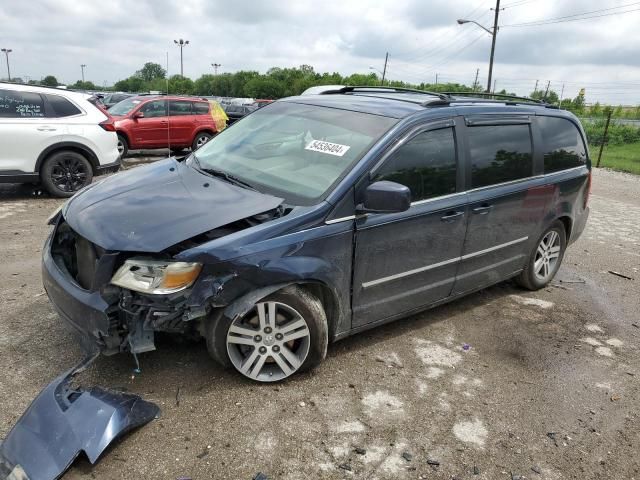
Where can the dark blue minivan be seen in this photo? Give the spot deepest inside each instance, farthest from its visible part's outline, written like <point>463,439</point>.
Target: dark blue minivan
<point>317,217</point>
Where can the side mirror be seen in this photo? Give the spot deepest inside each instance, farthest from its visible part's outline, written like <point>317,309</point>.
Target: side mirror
<point>386,197</point>
<point>138,115</point>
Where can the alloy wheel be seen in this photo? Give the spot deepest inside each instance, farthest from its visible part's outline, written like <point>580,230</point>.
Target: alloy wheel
<point>547,256</point>
<point>269,343</point>
<point>201,140</point>
<point>69,174</point>
<point>120,147</point>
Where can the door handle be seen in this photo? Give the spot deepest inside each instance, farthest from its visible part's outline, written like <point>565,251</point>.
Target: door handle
<point>482,210</point>
<point>451,216</point>
<point>46,129</point>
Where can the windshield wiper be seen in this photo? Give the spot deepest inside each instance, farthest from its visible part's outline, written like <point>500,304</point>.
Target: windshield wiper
<point>222,174</point>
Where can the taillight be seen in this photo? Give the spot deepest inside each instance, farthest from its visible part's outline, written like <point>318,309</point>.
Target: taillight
<point>108,125</point>
<point>587,191</point>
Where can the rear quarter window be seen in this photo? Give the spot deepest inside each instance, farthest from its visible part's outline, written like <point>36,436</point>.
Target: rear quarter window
<point>563,144</point>
<point>200,108</point>
<point>14,104</point>
<point>61,107</point>
<point>499,153</point>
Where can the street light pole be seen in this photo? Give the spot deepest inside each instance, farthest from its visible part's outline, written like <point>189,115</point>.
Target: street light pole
<point>181,43</point>
<point>215,67</point>
<point>493,32</point>
<point>82,67</point>
<point>7,51</point>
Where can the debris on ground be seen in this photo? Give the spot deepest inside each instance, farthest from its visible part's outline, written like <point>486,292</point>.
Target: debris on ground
<point>260,476</point>
<point>476,470</point>
<point>360,451</point>
<point>345,466</point>
<point>618,274</point>
<point>466,347</point>
<point>432,462</point>
<point>407,456</point>
<point>536,469</point>
<point>552,436</point>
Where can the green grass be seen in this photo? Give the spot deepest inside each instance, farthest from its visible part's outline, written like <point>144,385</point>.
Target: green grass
<point>624,158</point>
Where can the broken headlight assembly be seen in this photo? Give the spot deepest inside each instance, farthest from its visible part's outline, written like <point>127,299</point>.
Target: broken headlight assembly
<point>156,276</point>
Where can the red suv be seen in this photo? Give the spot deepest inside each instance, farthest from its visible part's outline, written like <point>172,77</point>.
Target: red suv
<point>154,121</point>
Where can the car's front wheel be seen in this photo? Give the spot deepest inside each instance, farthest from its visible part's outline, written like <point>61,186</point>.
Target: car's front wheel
<point>282,334</point>
<point>64,173</point>
<point>545,259</point>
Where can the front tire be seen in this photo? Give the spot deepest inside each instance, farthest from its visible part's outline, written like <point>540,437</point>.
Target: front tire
<point>282,334</point>
<point>545,260</point>
<point>64,173</point>
<point>200,140</point>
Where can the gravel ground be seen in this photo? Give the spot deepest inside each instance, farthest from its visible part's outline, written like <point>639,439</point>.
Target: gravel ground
<point>548,389</point>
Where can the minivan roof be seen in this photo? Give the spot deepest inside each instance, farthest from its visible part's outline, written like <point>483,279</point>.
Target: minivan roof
<point>20,87</point>
<point>399,102</point>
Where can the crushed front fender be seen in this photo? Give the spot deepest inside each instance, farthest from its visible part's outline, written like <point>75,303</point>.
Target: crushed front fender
<point>63,422</point>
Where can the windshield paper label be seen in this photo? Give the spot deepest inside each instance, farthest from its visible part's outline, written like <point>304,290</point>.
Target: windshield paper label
<point>327,147</point>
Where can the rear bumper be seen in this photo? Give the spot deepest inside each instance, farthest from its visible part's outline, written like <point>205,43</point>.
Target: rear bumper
<point>108,167</point>
<point>579,225</point>
<point>82,310</point>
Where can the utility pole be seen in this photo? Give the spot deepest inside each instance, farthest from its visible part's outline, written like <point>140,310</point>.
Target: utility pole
<point>546,92</point>
<point>475,82</point>
<point>436,79</point>
<point>181,43</point>
<point>561,95</point>
<point>215,67</point>
<point>535,89</point>
<point>7,51</point>
<point>604,136</point>
<point>82,67</point>
<point>384,70</point>
<point>494,33</point>
<point>494,85</point>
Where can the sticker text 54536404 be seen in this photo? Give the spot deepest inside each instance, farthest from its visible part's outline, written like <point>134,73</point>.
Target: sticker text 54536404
<point>327,147</point>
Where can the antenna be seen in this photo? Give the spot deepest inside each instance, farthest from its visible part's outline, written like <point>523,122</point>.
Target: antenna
<point>167,107</point>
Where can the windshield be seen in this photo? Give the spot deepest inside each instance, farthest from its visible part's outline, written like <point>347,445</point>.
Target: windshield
<point>124,107</point>
<point>292,150</point>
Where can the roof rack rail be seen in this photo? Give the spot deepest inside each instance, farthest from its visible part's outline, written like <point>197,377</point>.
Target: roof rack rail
<point>496,95</point>
<point>351,89</point>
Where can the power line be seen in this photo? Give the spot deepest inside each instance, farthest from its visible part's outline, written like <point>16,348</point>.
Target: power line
<point>518,4</point>
<point>570,18</point>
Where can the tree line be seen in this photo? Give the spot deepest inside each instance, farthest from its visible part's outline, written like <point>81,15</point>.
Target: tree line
<point>283,82</point>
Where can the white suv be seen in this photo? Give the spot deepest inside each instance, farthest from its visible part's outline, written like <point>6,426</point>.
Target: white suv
<point>54,137</point>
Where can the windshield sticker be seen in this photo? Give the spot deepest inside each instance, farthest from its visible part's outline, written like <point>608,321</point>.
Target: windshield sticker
<point>327,147</point>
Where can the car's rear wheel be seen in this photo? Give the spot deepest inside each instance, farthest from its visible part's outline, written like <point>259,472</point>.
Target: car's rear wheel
<point>123,146</point>
<point>64,173</point>
<point>200,140</point>
<point>282,334</point>
<point>545,259</point>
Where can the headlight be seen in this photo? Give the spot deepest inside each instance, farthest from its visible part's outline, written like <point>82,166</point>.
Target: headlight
<point>156,276</point>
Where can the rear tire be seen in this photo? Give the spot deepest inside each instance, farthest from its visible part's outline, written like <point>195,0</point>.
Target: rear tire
<point>546,258</point>
<point>123,146</point>
<point>65,172</point>
<point>292,337</point>
<point>200,140</point>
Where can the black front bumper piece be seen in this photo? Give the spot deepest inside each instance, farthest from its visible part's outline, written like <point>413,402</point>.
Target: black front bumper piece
<point>63,421</point>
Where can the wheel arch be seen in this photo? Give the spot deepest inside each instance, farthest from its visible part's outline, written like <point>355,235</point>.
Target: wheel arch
<point>71,146</point>
<point>208,130</point>
<point>568,225</point>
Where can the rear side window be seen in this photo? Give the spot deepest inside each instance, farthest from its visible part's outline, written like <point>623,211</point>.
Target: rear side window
<point>426,164</point>
<point>200,108</point>
<point>14,104</point>
<point>563,144</point>
<point>61,107</point>
<point>178,107</point>
<point>499,153</point>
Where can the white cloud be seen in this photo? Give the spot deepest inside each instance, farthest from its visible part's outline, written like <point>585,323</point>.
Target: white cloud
<point>116,38</point>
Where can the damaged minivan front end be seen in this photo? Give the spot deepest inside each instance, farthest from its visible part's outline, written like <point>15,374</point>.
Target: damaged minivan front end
<point>117,299</point>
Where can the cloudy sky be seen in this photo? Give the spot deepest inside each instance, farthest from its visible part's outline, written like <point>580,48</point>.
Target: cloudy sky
<point>114,38</point>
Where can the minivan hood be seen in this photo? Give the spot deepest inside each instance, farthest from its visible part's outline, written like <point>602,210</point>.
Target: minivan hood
<point>151,208</point>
